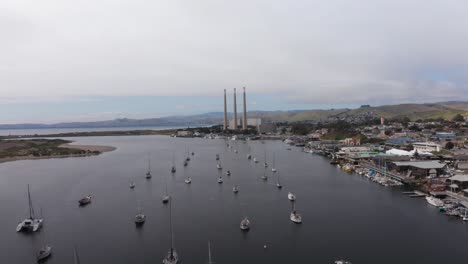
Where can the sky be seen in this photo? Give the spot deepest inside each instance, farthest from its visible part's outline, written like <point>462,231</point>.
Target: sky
<point>90,60</point>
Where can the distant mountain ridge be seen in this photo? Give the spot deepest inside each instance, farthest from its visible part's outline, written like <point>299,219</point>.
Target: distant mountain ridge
<point>446,110</point>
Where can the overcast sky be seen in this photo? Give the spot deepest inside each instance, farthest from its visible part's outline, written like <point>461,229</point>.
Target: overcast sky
<point>80,60</point>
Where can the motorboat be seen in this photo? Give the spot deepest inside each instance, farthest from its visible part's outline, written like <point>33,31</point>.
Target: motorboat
<point>166,198</point>
<point>434,201</point>
<point>235,189</point>
<point>188,180</point>
<point>44,253</point>
<point>273,169</point>
<point>31,223</point>
<point>245,224</point>
<point>85,200</point>
<point>291,196</point>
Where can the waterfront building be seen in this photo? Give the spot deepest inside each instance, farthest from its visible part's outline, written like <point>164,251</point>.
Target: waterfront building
<point>426,146</point>
<point>419,169</point>
<point>458,183</point>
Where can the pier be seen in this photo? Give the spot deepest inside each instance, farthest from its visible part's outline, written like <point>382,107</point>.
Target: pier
<point>384,172</point>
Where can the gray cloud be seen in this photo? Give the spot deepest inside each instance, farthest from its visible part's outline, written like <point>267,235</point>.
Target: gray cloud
<point>310,51</point>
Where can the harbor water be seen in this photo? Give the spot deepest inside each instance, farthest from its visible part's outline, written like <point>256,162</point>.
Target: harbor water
<point>345,216</point>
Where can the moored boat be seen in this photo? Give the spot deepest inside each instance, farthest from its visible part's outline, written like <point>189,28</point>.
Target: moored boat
<point>85,200</point>
<point>44,253</point>
<point>434,201</point>
<point>245,224</point>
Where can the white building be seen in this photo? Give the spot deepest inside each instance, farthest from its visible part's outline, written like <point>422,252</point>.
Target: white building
<point>426,146</point>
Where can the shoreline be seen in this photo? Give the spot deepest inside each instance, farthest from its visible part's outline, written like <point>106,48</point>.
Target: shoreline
<point>91,150</point>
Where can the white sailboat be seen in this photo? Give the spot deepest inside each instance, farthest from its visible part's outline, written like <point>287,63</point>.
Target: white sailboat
<point>273,169</point>
<point>265,164</point>
<point>166,197</point>
<point>172,257</point>
<point>140,218</point>
<point>44,253</point>
<point>188,180</point>
<point>220,179</point>
<point>173,168</point>
<point>235,189</point>
<point>245,224</point>
<point>85,200</point>
<point>255,160</point>
<point>218,166</point>
<point>278,184</point>
<point>132,185</point>
<point>291,196</point>
<point>148,174</point>
<point>32,223</point>
<point>228,173</point>
<point>294,216</point>
<point>264,176</point>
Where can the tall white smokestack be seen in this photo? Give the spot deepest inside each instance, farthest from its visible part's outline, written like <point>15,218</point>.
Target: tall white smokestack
<point>244,116</point>
<point>225,124</point>
<point>235,110</point>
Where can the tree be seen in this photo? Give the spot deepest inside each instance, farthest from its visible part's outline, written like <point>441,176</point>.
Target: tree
<point>458,118</point>
<point>449,145</point>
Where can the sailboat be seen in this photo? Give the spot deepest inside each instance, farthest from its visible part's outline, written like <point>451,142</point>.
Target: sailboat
<point>291,196</point>
<point>140,218</point>
<point>255,160</point>
<point>85,200</point>
<point>44,253</point>
<point>218,166</point>
<point>188,155</point>
<point>228,173</point>
<point>217,156</point>
<point>245,224</point>
<point>209,254</point>
<point>273,169</point>
<point>148,174</point>
<point>295,217</point>
<point>278,184</point>
<point>172,257</point>
<point>173,169</point>
<point>32,223</point>
<point>166,197</point>
<point>265,164</point>
<point>235,189</point>
<point>220,179</point>
<point>188,180</point>
<point>264,176</point>
<point>132,185</point>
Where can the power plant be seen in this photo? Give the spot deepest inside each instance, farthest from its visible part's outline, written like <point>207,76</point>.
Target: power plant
<point>233,125</point>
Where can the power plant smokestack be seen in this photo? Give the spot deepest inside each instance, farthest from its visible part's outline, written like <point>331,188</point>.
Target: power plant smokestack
<point>244,116</point>
<point>235,111</point>
<point>225,124</point>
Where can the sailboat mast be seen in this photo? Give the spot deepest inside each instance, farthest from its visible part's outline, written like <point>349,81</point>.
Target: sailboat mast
<point>75,252</point>
<point>209,254</point>
<point>172,233</point>
<point>31,208</point>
